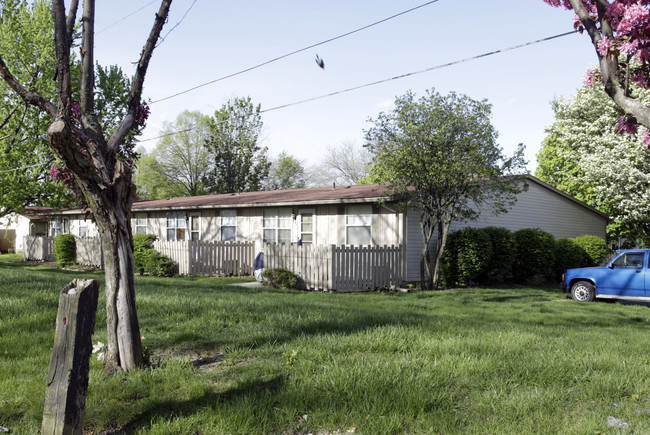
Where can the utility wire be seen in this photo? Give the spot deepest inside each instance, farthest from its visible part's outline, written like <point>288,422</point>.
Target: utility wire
<point>467,59</point>
<point>294,52</point>
<point>119,21</point>
<point>177,24</point>
<point>445,65</point>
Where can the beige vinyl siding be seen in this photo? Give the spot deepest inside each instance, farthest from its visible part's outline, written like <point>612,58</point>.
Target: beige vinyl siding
<point>538,207</point>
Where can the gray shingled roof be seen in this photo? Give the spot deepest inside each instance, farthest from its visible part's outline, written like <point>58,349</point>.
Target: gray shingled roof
<point>318,195</point>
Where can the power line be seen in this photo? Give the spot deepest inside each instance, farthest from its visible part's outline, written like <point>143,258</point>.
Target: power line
<point>177,24</point>
<point>445,65</point>
<point>456,62</point>
<point>132,13</point>
<point>294,52</point>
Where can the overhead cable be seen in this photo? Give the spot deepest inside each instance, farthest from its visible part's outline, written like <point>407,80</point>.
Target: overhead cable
<point>293,52</point>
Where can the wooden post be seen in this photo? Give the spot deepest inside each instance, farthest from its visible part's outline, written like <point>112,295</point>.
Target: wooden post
<point>67,378</point>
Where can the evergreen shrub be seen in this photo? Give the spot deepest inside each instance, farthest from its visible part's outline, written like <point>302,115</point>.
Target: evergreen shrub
<point>64,249</point>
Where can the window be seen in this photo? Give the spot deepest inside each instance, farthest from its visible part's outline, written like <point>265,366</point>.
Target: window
<point>632,260</point>
<point>358,222</point>
<point>59,226</point>
<point>276,225</point>
<point>176,225</point>
<point>195,225</point>
<point>83,228</point>
<point>228,225</point>
<point>307,226</point>
<point>141,223</point>
<point>38,229</point>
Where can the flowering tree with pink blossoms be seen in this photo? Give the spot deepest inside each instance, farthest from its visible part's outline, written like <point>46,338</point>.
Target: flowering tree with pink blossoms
<point>620,33</point>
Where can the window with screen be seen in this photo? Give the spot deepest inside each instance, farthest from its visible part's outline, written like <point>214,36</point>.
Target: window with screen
<point>358,223</point>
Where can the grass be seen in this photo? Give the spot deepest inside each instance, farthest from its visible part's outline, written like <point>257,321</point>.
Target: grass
<point>244,360</point>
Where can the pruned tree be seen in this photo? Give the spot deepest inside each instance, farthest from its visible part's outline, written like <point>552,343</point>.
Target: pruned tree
<point>439,154</point>
<point>619,35</point>
<point>99,167</point>
<point>178,164</point>
<point>238,162</point>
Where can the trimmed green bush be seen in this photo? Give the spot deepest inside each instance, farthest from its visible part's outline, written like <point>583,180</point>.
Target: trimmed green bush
<point>466,257</point>
<point>504,249</point>
<point>64,249</point>
<point>568,254</point>
<point>535,251</point>
<point>594,246</point>
<point>280,278</point>
<point>142,245</point>
<point>147,260</point>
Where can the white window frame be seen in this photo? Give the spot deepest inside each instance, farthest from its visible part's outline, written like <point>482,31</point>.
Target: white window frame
<point>277,221</point>
<point>140,223</point>
<point>194,225</point>
<point>59,225</point>
<point>312,212</point>
<point>82,224</point>
<point>228,220</point>
<point>176,222</point>
<point>358,216</point>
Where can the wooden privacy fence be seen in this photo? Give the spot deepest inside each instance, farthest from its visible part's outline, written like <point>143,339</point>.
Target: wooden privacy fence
<point>209,258</point>
<point>89,252</point>
<point>340,268</point>
<point>37,248</point>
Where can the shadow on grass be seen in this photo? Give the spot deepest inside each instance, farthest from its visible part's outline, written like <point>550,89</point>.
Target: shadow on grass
<point>170,409</point>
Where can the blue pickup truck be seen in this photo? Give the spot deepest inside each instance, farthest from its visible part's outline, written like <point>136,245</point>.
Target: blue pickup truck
<point>626,277</point>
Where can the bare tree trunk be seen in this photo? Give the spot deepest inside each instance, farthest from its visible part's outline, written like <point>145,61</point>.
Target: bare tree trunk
<point>443,231</point>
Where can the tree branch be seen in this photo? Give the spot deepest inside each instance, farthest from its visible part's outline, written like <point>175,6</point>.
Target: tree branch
<point>72,16</point>
<point>609,64</point>
<point>29,97</point>
<point>87,97</point>
<point>62,45</point>
<point>138,80</point>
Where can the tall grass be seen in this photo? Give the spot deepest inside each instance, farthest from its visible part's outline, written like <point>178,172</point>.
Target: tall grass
<point>240,360</point>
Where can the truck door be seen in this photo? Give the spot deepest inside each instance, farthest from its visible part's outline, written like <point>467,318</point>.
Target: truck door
<point>626,277</point>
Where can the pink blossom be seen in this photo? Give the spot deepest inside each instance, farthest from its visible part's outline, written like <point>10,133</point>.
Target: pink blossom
<point>76,110</point>
<point>629,47</point>
<point>604,46</point>
<point>590,78</point>
<point>646,138</point>
<point>54,172</point>
<point>627,124</point>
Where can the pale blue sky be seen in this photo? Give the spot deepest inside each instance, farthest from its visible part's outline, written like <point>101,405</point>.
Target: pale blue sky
<point>218,38</point>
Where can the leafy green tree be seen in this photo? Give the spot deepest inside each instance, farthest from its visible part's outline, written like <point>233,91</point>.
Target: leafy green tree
<point>439,154</point>
<point>287,172</point>
<point>586,156</point>
<point>26,34</point>
<point>179,163</point>
<point>98,167</point>
<point>238,162</point>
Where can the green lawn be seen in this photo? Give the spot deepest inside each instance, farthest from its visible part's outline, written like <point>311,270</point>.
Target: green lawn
<point>237,360</point>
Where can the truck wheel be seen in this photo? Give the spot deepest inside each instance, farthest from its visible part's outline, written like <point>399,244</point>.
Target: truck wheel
<point>583,291</point>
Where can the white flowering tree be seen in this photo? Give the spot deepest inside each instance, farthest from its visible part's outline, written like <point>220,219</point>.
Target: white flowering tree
<point>586,155</point>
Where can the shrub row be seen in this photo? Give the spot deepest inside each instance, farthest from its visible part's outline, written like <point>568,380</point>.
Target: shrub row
<point>147,260</point>
<point>495,255</point>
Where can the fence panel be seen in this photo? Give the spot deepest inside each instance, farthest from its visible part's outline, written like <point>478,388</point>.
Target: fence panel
<point>311,263</point>
<point>37,248</point>
<point>363,268</point>
<point>89,252</point>
<point>196,257</point>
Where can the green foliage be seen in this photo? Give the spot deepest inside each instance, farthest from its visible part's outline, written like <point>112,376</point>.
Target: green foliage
<point>568,254</point>
<point>142,245</point>
<point>466,258</point>
<point>280,278</point>
<point>504,250</point>
<point>287,172</point>
<point>595,248</point>
<point>64,249</point>
<point>440,154</point>
<point>156,264</point>
<point>237,162</point>
<point>147,260</point>
<point>535,250</point>
<point>179,163</point>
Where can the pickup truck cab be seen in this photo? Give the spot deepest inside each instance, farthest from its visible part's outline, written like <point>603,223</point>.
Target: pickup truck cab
<point>626,277</point>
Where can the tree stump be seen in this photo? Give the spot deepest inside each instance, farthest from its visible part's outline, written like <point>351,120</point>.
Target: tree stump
<point>67,378</point>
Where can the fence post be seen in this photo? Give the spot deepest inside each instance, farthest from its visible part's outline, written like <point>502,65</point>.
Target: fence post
<point>67,378</point>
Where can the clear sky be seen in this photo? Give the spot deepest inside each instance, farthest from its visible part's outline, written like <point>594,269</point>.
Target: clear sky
<point>218,38</point>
